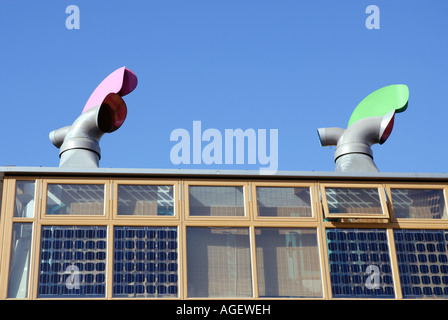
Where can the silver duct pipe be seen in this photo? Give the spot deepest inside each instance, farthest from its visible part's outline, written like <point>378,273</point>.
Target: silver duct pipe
<point>104,112</point>
<point>79,143</point>
<point>353,145</point>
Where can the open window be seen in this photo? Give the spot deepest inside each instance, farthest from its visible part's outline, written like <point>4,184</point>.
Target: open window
<point>354,201</point>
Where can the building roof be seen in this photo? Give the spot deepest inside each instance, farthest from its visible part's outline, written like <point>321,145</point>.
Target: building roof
<point>216,174</point>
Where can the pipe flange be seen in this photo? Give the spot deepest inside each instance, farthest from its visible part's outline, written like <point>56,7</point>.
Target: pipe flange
<point>80,143</point>
<point>353,147</point>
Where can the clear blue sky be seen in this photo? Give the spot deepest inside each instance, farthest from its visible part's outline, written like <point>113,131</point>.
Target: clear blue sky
<point>292,65</point>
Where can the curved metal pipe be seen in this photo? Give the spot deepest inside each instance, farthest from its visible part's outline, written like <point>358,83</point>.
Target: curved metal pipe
<point>353,145</point>
<point>79,143</point>
<point>57,136</point>
<point>329,136</point>
<point>104,112</point>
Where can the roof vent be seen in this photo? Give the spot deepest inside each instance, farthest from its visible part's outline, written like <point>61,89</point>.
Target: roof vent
<point>104,112</point>
<point>371,122</point>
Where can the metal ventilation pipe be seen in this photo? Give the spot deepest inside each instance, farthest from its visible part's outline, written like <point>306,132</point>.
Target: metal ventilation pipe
<point>371,122</point>
<point>104,112</point>
<point>353,145</point>
<point>79,143</point>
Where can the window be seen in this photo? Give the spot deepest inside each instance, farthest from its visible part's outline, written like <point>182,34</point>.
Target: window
<point>288,263</point>
<point>422,262</point>
<point>218,262</point>
<point>145,262</point>
<point>418,203</point>
<point>283,202</point>
<point>359,263</point>
<point>22,239</point>
<point>155,238</point>
<point>216,201</point>
<point>145,200</point>
<point>24,203</point>
<point>75,199</point>
<point>19,269</point>
<point>354,202</point>
<point>72,261</point>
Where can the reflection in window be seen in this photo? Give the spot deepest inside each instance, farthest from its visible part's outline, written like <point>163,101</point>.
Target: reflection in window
<point>288,262</point>
<point>145,262</point>
<point>422,262</point>
<point>283,202</point>
<point>75,199</point>
<point>218,262</point>
<point>72,261</point>
<point>19,269</point>
<point>353,200</point>
<point>145,200</point>
<point>216,201</point>
<point>360,265</point>
<point>419,203</point>
<point>24,202</point>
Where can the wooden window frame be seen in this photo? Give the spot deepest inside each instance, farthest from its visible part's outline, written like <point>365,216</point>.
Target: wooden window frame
<point>110,220</point>
<point>251,221</point>
<point>6,227</point>
<point>221,224</point>
<point>148,182</point>
<point>181,220</point>
<point>392,255</point>
<point>74,181</point>
<point>351,185</point>
<point>315,216</point>
<point>320,255</point>
<point>423,223</point>
<point>218,183</point>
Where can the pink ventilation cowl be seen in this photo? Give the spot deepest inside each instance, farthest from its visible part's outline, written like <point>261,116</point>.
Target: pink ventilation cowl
<point>122,81</point>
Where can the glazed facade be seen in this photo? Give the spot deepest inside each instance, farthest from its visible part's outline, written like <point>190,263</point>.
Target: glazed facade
<point>181,236</point>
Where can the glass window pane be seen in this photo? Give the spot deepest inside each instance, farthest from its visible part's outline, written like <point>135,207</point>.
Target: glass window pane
<point>24,202</point>
<point>218,262</point>
<point>419,203</point>
<point>145,200</point>
<point>72,262</point>
<point>145,262</point>
<point>19,268</point>
<point>75,199</point>
<point>283,202</point>
<point>422,263</point>
<point>288,263</point>
<point>353,200</point>
<point>359,262</point>
<point>216,201</point>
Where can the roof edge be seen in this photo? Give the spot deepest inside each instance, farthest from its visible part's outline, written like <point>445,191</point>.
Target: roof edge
<point>214,173</point>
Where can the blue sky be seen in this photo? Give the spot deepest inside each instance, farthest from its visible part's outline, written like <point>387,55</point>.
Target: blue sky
<point>294,66</point>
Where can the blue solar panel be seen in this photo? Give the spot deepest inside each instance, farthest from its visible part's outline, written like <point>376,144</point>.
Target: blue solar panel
<point>359,263</point>
<point>422,262</point>
<point>145,262</point>
<point>69,267</point>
